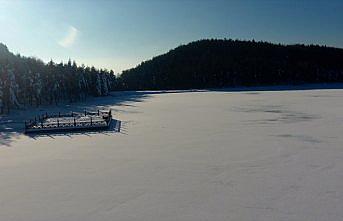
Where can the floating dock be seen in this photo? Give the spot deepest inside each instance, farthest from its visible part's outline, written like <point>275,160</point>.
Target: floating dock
<point>46,123</point>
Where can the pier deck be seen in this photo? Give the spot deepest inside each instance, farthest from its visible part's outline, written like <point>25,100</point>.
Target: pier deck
<point>69,122</point>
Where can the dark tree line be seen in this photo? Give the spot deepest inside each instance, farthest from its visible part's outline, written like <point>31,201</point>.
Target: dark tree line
<point>201,64</point>
<point>225,63</point>
<point>30,82</point>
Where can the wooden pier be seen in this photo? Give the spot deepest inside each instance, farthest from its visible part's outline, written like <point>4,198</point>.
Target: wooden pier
<point>46,123</point>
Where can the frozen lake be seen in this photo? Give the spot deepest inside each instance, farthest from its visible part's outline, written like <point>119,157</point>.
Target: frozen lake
<point>212,155</point>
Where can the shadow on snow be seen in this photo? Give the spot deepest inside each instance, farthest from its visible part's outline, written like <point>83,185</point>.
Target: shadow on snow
<point>12,125</point>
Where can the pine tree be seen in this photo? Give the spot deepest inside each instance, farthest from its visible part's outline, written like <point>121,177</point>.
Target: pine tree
<point>56,91</point>
<point>104,84</point>
<point>82,85</point>
<point>13,89</point>
<point>30,89</point>
<point>24,88</point>
<point>37,88</point>
<point>98,85</point>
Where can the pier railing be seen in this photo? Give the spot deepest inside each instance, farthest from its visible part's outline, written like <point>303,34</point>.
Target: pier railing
<point>72,121</point>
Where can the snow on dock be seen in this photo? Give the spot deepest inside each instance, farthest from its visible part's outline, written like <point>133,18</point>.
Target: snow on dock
<point>99,120</point>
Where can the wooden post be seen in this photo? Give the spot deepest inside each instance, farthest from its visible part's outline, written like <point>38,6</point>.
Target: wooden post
<point>98,112</point>
<point>85,113</point>
<point>58,122</point>
<point>74,122</point>
<point>91,121</point>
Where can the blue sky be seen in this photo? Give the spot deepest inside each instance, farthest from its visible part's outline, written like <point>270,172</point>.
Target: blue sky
<point>120,34</point>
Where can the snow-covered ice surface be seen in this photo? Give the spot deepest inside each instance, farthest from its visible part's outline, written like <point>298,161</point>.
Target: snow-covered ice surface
<point>212,155</point>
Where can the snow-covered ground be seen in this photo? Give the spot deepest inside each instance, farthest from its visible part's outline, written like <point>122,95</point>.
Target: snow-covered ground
<point>210,155</point>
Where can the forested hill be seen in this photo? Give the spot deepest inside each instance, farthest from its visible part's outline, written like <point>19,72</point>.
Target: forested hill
<point>222,63</point>
<point>30,82</point>
<point>27,81</point>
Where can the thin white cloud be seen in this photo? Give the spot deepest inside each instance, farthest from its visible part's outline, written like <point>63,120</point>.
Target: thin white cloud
<point>70,38</point>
